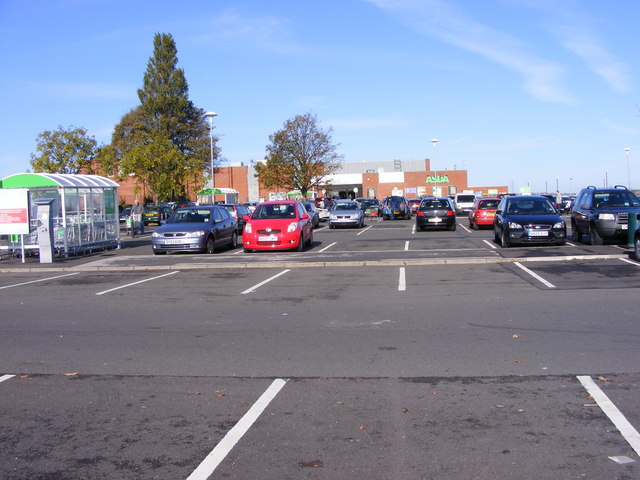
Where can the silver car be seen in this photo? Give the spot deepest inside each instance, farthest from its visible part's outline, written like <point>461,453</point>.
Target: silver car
<point>346,213</point>
<point>200,229</point>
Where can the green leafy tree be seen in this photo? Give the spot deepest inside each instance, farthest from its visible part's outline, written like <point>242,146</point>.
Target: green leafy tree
<point>300,156</point>
<point>164,141</point>
<point>69,150</point>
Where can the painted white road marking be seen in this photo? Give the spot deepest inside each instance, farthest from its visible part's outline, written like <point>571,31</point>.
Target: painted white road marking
<point>465,228</point>
<point>406,245</point>
<point>534,275</point>
<point>40,280</point>
<point>402,282</point>
<point>327,247</point>
<point>491,244</point>
<point>362,231</point>
<point>233,436</point>
<point>255,287</point>
<point>6,377</point>
<point>631,262</point>
<point>136,283</point>
<point>622,424</point>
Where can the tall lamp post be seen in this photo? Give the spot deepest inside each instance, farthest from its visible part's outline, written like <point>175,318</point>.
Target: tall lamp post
<point>434,190</point>
<point>626,150</point>
<point>210,116</point>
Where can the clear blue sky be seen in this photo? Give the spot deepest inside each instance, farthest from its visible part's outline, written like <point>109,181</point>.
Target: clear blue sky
<point>516,91</point>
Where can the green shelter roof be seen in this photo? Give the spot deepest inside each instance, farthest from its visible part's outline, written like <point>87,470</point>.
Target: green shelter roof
<point>27,180</point>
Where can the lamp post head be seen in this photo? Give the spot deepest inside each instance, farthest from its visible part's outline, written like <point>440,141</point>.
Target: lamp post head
<point>627,149</point>
<point>210,114</point>
<point>434,141</point>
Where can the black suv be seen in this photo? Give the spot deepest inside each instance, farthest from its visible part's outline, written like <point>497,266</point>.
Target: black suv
<point>396,207</point>
<point>603,213</point>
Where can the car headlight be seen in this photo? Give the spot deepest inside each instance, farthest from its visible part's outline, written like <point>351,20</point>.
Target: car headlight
<point>332,216</point>
<point>156,235</point>
<point>197,234</point>
<point>248,228</point>
<point>292,227</point>
<point>514,226</point>
<point>559,224</point>
<point>607,216</point>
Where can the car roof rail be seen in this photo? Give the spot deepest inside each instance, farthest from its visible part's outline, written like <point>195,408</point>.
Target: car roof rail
<point>591,187</point>
<point>621,187</point>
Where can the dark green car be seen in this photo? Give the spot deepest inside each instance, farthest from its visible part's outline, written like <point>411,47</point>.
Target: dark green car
<point>155,214</point>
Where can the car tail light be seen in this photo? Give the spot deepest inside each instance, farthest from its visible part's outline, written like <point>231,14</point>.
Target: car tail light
<point>450,213</point>
<point>419,213</point>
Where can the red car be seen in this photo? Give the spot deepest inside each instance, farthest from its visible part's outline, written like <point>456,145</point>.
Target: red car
<point>278,225</point>
<point>414,203</point>
<point>483,212</point>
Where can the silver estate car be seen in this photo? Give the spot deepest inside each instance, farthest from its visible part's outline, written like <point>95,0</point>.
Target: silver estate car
<point>196,229</point>
<point>346,213</point>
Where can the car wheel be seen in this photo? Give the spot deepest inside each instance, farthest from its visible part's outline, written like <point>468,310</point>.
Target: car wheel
<point>247,250</point>
<point>211,245</point>
<point>576,234</point>
<point>453,227</point>
<point>300,244</point>
<point>636,249</point>
<point>474,226</point>
<point>310,241</point>
<point>596,239</point>
<point>504,240</point>
<point>158,252</point>
<point>420,228</point>
<point>496,238</point>
<point>234,240</point>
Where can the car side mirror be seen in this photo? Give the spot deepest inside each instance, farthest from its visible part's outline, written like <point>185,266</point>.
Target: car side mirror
<point>305,216</point>
<point>245,218</point>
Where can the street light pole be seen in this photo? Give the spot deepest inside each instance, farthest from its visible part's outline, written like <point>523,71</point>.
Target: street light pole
<point>434,190</point>
<point>628,171</point>
<point>210,116</point>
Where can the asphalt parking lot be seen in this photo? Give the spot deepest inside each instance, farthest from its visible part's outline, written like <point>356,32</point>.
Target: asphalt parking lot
<point>378,353</point>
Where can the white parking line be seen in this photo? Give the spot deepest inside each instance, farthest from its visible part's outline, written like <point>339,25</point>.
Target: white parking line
<point>464,227</point>
<point>491,244</point>
<point>402,282</point>
<point>406,245</point>
<point>6,377</point>
<point>622,424</point>
<point>630,261</point>
<point>413,229</point>
<point>40,280</point>
<point>255,287</point>
<point>136,283</point>
<point>233,436</point>
<point>534,275</point>
<point>362,231</point>
<point>327,247</point>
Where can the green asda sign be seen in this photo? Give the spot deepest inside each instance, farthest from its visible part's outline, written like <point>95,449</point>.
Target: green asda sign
<point>437,179</point>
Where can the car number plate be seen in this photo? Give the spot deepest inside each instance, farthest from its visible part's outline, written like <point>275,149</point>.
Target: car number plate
<point>173,241</point>
<point>435,220</point>
<point>624,226</point>
<point>268,238</point>
<point>537,233</point>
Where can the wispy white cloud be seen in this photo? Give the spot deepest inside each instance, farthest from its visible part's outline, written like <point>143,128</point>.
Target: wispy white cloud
<point>267,32</point>
<point>86,90</point>
<point>368,123</point>
<point>452,25</point>
<point>619,128</point>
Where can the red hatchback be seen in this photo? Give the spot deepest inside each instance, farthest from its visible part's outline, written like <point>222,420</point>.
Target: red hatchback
<point>278,225</point>
<point>483,212</point>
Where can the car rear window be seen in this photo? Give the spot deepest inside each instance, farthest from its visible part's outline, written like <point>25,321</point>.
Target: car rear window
<point>466,198</point>
<point>488,204</point>
<point>434,204</point>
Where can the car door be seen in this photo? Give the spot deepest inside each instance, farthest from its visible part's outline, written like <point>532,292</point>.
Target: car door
<point>498,220</point>
<point>581,211</point>
<point>226,225</point>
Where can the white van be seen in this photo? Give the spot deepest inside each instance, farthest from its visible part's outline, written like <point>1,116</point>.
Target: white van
<point>464,202</point>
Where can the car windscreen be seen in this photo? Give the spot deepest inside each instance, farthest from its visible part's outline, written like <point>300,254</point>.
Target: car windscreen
<point>488,204</point>
<point>434,204</point>
<point>615,199</point>
<point>190,216</point>
<point>274,211</point>
<point>466,198</point>
<point>531,207</point>
<point>346,206</point>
